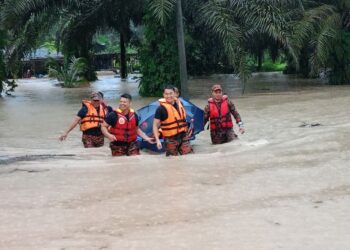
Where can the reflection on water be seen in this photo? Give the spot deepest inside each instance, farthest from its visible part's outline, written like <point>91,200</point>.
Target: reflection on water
<point>40,110</point>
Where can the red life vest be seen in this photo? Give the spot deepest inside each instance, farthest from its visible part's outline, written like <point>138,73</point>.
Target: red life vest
<point>220,118</point>
<point>92,118</point>
<point>125,128</point>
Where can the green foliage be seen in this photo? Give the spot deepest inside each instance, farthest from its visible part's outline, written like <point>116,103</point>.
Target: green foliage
<point>6,86</point>
<point>268,64</point>
<point>158,57</point>
<point>162,9</point>
<point>205,53</point>
<point>70,73</point>
<point>52,63</point>
<point>321,35</point>
<point>2,72</point>
<point>340,60</point>
<point>50,46</point>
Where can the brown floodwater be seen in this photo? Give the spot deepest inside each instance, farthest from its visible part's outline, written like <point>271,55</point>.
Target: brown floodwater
<point>39,109</point>
<point>284,184</point>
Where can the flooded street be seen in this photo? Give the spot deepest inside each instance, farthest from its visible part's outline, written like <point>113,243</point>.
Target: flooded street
<point>285,184</point>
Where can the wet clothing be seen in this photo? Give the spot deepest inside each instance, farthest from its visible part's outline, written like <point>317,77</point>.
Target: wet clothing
<point>220,136</point>
<point>112,117</point>
<point>174,127</point>
<point>221,133</point>
<point>124,148</point>
<point>175,123</point>
<point>178,144</point>
<point>83,112</point>
<point>92,141</point>
<point>220,116</point>
<point>124,127</point>
<point>162,114</point>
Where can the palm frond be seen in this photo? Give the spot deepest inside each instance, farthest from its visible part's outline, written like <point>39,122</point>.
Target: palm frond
<point>220,20</point>
<point>162,9</point>
<point>310,24</point>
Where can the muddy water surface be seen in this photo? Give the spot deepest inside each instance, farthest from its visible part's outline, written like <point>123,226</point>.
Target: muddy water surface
<point>285,184</point>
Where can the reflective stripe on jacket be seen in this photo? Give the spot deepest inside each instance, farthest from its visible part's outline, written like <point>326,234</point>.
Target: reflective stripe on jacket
<point>125,128</point>
<point>92,119</point>
<point>176,121</point>
<point>220,117</point>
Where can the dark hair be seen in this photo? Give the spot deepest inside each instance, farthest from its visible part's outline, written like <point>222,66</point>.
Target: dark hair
<point>169,87</point>
<point>101,94</point>
<point>127,96</point>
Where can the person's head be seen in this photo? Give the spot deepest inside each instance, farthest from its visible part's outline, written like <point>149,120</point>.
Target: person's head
<point>96,99</point>
<point>101,94</point>
<point>169,93</point>
<point>216,91</point>
<point>177,92</point>
<point>125,102</point>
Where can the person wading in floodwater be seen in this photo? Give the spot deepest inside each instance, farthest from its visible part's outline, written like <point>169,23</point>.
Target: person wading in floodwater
<point>170,116</point>
<point>218,112</point>
<point>90,117</point>
<point>121,128</point>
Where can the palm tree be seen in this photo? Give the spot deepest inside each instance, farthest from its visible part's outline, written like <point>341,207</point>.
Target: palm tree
<point>238,22</point>
<point>162,10</point>
<point>324,29</point>
<point>79,21</point>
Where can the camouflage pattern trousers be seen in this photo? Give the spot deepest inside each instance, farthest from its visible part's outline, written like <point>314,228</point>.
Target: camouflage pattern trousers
<point>219,136</point>
<point>92,141</point>
<point>127,148</point>
<point>177,144</point>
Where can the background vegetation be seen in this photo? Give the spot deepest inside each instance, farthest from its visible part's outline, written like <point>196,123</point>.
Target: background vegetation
<point>310,38</point>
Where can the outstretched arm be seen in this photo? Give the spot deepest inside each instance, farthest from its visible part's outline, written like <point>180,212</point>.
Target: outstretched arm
<point>71,126</point>
<point>237,117</point>
<point>156,125</point>
<point>144,136</point>
<point>104,129</point>
<point>206,114</point>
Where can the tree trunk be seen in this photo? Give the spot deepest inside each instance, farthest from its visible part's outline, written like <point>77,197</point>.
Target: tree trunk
<point>260,60</point>
<point>181,48</point>
<point>123,66</point>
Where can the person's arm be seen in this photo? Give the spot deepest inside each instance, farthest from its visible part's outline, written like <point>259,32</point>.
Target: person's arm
<point>156,125</point>
<point>237,117</point>
<point>144,136</point>
<point>71,126</point>
<point>104,129</point>
<point>206,114</point>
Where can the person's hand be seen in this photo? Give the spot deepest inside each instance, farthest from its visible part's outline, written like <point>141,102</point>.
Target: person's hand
<point>150,140</point>
<point>159,145</point>
<point>63,137</point>
<point>242,130</point>
<point>189,133</point>
<point>111,138</point>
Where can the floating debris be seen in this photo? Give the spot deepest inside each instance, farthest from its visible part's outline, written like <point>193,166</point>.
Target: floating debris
<point>309,125</point>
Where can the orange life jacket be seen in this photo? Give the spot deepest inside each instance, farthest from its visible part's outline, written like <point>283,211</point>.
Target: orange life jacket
<point>92,119</point>
<point>220,118</point>
<point>176,121</point>
<point>125,128</point>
